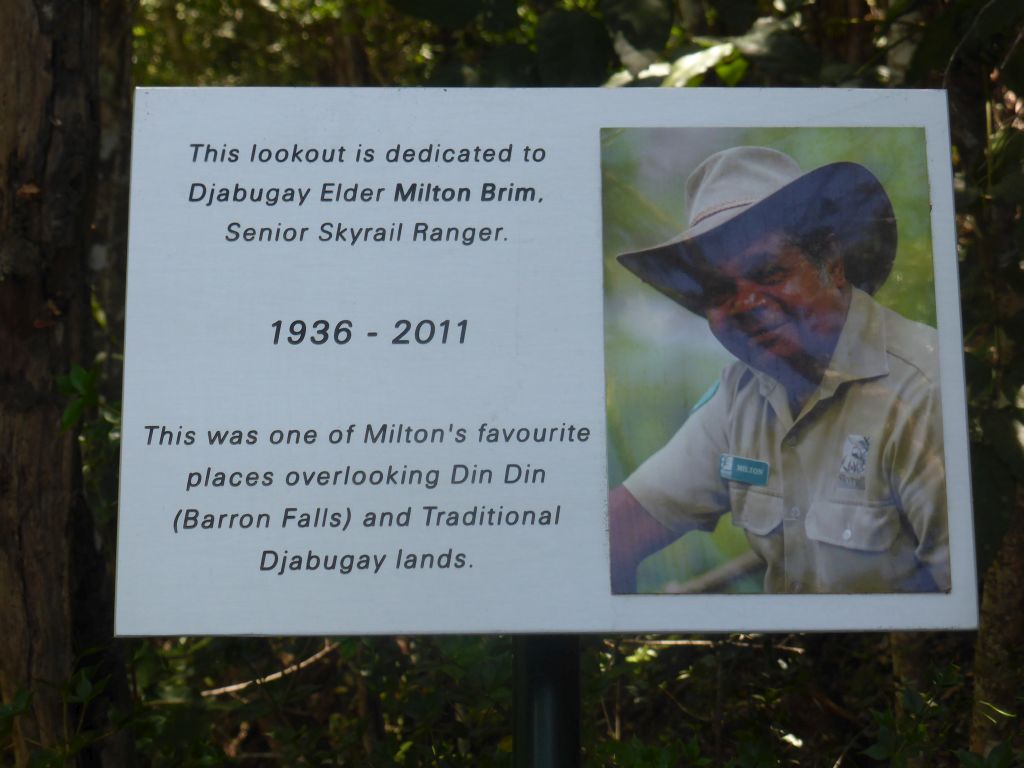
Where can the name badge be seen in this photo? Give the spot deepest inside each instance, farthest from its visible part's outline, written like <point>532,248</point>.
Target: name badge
<point>742,470</point>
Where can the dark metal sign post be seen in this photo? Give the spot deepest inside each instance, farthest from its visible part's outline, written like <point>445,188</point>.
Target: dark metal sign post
<point>546,733</point>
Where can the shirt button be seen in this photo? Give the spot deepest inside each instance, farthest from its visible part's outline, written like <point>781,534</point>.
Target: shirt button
<point>794,512</point>
<point>847,534</point>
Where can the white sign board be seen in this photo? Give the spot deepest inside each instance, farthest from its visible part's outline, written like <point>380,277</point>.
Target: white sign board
<point>383,366</point>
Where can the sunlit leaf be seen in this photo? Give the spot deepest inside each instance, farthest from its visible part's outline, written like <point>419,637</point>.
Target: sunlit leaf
<point>687,68</point>
<point>732,70</point>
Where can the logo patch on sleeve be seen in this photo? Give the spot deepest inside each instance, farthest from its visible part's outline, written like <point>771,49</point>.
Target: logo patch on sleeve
<point>743,470</point>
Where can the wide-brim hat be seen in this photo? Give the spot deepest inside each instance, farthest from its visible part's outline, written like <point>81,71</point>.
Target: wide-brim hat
<point>744,193</point>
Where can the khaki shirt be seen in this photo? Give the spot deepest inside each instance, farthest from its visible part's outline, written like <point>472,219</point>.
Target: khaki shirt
<point>848,497</point>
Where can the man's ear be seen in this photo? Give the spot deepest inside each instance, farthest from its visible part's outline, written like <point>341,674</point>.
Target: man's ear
<point>836,266</point>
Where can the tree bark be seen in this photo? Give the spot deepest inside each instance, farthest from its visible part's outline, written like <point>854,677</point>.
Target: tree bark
<point>999,652</point>
<point>47,172</point>
<point>108,252</point>
<point>107,262</point>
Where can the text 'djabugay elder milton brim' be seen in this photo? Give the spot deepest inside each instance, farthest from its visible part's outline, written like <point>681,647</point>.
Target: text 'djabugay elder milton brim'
<point>343,207</point>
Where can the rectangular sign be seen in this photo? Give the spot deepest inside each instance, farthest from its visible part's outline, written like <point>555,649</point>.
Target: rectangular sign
<point>480,361</point>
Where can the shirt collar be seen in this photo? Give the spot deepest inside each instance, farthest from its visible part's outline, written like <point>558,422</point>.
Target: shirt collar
<point>859,353</point>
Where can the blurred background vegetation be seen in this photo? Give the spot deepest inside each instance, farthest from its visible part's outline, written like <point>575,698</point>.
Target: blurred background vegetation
<point>834,700</point>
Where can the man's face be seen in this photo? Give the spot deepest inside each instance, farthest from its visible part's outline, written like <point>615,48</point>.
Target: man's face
<point>775,310</point>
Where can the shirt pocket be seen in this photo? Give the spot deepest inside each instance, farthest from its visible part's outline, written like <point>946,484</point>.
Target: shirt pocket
<point>756,512</point>
<point>864,527</point>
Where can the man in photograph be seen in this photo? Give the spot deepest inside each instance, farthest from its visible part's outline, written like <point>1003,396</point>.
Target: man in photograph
<point>824,438</point>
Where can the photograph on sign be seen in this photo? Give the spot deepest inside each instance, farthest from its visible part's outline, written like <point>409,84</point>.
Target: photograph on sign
<point>466,373</point>
<point>784,367</point>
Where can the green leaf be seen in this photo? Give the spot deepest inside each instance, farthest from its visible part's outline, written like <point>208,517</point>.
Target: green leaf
<point>1006,150</point>
<point>99,315</point>
<point>913,702</point>
<point>572,49</point>
<point>998,710</point>
<point>732,70</point>
<point>83,688</point>
<point>687,70</point>
<point>81,379</point>
<point>22,699</point>
<point>64,385</point>
<point>1000,756</point>
<point>18,706</point>
<point>878,751</point>
<point>72,413</point>
<point>969,759</point>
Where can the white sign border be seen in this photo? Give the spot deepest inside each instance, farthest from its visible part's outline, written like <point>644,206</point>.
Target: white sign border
<point>668,108</point>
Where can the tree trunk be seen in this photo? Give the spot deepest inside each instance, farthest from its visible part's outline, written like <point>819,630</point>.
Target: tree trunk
<point>999,652</point>
<point>47,169</point>
<point>107,261</point>
<point>109,245</point>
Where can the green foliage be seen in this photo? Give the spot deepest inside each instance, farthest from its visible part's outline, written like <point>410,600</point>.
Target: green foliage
<point>1001,756</point>
<point>401,701</point>
<point>10,712</point>
<point>98,422</point>
<point>77,694</point>
<point>752,701</point>
<point>374,42</point>
<point>906,736</point>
